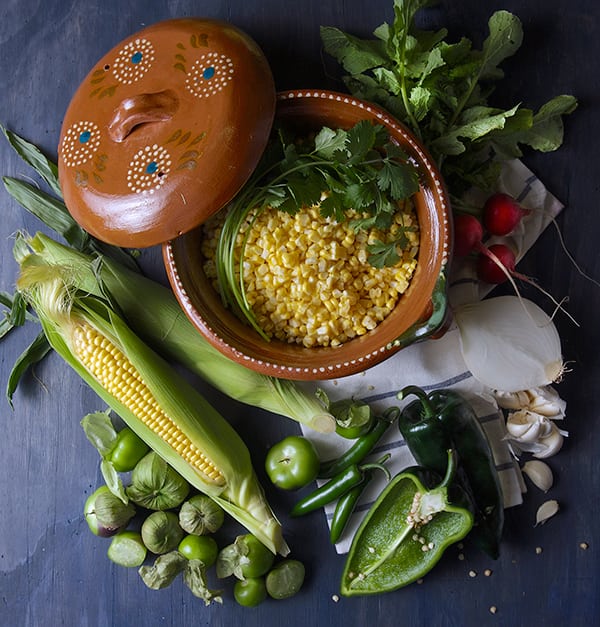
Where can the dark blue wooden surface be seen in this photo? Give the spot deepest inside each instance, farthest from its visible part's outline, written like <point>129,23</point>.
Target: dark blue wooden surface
<point>54,572</point>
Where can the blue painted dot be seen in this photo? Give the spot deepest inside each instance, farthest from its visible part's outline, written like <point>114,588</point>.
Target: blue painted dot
<point>208,73</point>
<point>84,137</point>
<point>152,167</point>
<point>137,57</point>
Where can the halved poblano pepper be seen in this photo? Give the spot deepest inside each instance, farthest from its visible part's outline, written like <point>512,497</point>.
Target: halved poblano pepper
<point>152,398</point>
<point>405,533</point>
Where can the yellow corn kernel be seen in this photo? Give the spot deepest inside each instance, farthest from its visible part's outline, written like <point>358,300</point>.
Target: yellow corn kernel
<point>96,352</point>
<point>304,273</point>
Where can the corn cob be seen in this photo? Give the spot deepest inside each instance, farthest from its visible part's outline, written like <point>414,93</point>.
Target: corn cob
<point>161,323</point>
<point>151,398</point>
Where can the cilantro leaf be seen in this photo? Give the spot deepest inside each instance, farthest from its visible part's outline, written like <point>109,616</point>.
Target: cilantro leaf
<point>328,142</point>
<point>382,254</point>
<point>401,182</point>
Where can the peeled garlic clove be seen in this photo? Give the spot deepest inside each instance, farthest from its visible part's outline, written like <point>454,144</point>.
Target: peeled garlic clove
<point>539,473</point>
<point>546,511</point>
<point>552,443</point>
<point>525,426</point>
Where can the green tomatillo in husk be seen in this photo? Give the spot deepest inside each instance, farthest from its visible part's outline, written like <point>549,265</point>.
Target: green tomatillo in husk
<point>155,485</point>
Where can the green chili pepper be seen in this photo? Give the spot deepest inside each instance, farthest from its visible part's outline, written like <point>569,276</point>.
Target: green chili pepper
<point>404,534</point>
<point>361,447</point>
<point>337,487</point>
<point>443,419</point>
<point>345,507</point>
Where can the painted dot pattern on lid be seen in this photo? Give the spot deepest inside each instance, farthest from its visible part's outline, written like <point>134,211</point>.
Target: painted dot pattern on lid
<point>80,143</point>
<point>209,75</point>
<point>133,61</point>
<point>149,169</point>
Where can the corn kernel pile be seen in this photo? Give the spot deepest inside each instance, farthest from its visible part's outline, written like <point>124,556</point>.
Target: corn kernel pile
<point>307,277</point>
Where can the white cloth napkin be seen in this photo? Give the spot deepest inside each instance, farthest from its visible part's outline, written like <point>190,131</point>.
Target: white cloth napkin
<point>435,364</point>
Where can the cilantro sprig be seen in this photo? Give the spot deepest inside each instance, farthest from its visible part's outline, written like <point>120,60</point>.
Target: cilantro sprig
<point>440,89</point>
<point>359,169</point>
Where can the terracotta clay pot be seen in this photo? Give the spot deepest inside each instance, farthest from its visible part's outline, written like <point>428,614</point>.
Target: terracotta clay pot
<point>165,130</point>
<point>420,312</point>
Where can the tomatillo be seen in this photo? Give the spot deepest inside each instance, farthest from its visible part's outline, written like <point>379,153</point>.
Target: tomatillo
<point>129,448</point>
<point>292,463</point>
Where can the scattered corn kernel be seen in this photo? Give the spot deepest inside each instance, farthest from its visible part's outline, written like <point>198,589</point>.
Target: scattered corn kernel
<point>318,278</point>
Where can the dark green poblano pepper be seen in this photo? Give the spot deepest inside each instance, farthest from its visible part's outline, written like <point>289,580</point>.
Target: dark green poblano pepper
<point>441,420</point>
<point>405,532</point>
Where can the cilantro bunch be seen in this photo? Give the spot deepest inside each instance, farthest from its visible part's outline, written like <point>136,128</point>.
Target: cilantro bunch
<point>441,89</point>
<point>358,170</point>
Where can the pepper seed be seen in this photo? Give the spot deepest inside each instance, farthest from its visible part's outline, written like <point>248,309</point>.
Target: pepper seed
<point>584,545</point>
<point>493,609</point>
<point>472,573</point>
<point>538,550</point>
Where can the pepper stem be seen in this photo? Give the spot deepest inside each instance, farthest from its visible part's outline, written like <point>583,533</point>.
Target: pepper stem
<point>422,396</point>
<point>450,469</point>
<point>378,465</point>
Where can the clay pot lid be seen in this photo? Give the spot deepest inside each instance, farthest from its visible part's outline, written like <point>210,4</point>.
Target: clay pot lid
<point>165,130</point>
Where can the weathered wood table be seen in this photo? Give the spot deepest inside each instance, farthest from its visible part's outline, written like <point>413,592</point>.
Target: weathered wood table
<point>54,572</point>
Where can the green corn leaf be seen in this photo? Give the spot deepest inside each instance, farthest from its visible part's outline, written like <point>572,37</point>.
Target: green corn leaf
<point>51,211</point>
<point>33,156</point>
<point>33,354</point>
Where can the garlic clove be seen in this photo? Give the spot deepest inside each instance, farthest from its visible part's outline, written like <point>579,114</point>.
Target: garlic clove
<point>511,400</point>
<point>552,443</point>
<point>546,511</point>
<point>525,426</point>
<point>539,473</point>
<point>547,402</point>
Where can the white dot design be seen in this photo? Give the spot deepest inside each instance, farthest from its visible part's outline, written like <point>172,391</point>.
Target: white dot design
<point>80,143</point>
<point>133,61</point>
<point>149,169</point>
<point>209,74</point>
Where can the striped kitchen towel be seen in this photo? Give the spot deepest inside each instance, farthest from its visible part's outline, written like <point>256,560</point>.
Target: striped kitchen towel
<point>436,364</point>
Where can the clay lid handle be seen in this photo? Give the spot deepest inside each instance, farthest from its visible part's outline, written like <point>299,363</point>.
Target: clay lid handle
<point>141,109</point>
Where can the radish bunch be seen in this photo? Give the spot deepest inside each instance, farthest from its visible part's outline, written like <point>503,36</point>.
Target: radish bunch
<point>501,215</point>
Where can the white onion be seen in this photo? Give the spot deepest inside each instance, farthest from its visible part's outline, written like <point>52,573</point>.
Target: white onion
<point>509,343</point>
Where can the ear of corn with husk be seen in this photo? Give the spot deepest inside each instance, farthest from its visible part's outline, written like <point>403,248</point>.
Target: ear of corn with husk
<point>151,397</point>
<point>153,312</point>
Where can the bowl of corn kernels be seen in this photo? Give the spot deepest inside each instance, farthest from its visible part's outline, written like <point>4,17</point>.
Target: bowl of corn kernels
<point>332,257</point>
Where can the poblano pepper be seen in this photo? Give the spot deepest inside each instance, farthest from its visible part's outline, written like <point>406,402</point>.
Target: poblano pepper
<point>405,532</point>
<point>441,420</point>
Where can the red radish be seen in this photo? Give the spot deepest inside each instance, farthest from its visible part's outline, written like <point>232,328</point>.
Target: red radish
<point>502,213</point>
<point>496,264</point>
<point>468,234</point>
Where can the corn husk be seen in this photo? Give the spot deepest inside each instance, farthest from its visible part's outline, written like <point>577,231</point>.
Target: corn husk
<point>60,307</point>
<point>153,312</point>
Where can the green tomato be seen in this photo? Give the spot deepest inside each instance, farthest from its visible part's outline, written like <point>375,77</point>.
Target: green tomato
<point>250,592</point>
<point>129,448</point>
<point>292,463</point>
<point>258,559</point>
<point>203,548</point>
